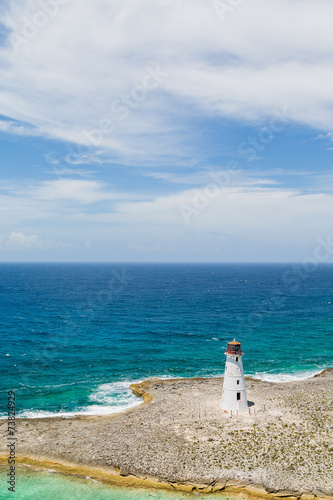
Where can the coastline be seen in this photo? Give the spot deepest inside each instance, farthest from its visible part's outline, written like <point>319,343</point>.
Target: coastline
<point>116,478</point>
<point>273,378</point>
<point>141,444</point>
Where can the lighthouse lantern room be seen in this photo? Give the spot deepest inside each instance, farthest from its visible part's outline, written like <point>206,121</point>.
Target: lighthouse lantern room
<point>234,392</point>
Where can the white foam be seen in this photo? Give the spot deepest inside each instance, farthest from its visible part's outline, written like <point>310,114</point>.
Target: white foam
<point>286,377</point>
<point>110,398</point>
<point>113,398</point>
<point>116,397</point>
<point>168,377</point>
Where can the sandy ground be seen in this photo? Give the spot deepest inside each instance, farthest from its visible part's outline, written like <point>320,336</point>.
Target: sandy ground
<point>181,437</point>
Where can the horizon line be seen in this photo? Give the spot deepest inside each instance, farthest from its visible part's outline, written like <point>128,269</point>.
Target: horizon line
<point>165,262</point>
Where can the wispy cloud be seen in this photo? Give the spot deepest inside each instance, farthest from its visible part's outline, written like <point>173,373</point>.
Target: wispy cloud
<point>21,241</point>
<point>221,70</point>
<point>20,129</point>
<point>157,86</point>
<point>206,176</point>
<point>267,220</point>
<point>80,191</point>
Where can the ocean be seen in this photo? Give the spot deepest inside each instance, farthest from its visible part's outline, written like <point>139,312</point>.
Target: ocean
<point>74,336</point>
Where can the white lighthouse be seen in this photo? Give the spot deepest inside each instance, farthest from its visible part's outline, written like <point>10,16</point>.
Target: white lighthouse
<point>234,392</point>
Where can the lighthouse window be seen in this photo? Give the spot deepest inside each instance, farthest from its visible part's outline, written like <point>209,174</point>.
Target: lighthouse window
<point>237,358</point>
<point>237,382</point>
<point>238,396</point>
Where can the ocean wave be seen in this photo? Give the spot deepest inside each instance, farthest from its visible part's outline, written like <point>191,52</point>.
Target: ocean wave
<point>116,394</point>
<point>285,376</point>
<point>53,386</point>
<point>114,397</point>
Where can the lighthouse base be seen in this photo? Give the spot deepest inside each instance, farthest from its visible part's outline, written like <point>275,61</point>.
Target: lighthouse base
<point>230,402</point>
<point>241,407</point>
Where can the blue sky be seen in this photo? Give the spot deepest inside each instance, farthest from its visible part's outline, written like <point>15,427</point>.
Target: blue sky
<point>165,131</point>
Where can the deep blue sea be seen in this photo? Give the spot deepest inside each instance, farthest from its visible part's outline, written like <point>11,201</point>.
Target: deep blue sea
<point>74,336</point>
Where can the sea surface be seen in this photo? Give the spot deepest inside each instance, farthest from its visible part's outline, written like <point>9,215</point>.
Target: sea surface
<point>32,485</point>
<point>74,336</point>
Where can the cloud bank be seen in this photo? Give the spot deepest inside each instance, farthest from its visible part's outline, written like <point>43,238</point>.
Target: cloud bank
<point>153,85</point>
<point>118,71</point>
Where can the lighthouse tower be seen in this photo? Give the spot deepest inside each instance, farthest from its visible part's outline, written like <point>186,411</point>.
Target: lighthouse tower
<point>234,392</point>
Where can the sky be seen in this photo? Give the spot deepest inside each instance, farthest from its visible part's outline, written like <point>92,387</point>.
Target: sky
<point>166,130</point>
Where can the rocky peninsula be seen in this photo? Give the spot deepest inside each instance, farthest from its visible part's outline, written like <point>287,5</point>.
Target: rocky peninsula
<point>179,438</point>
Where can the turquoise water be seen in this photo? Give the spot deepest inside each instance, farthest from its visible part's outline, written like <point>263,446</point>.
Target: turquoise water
<point>75,335</point>
<point>31,485</point>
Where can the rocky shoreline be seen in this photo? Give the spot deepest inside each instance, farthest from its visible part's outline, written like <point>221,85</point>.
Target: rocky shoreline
<point>180,439</point>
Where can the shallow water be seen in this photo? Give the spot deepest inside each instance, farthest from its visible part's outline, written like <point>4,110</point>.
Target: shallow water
<point>31,485</point>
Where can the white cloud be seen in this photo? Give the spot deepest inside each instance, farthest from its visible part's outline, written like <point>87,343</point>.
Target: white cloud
<point>237,223</point>
<point>226,176</point>
<point>253,212</point>
<point>21,241</point>
<point>63,171</point>
<point>263,56</point>
<point>15,128</point>
<point>87,73</point>
<point>54,203</point>
<point>81,191</point>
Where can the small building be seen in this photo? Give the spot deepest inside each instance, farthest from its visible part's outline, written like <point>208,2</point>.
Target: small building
<point>234,391</point>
